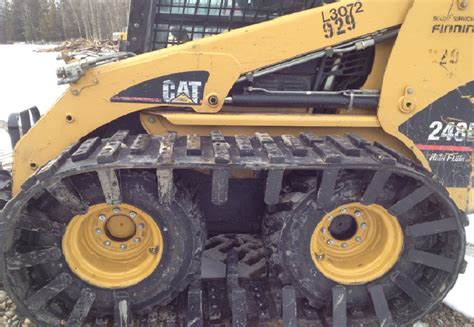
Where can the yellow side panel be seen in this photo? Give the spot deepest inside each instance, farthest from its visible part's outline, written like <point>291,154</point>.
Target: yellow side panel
<point>427,91</point>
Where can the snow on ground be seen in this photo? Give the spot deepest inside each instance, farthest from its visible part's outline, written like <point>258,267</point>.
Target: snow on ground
<point>28,78</point>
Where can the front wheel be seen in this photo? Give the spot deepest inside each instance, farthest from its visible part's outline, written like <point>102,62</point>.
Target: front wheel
<point>108,263</point>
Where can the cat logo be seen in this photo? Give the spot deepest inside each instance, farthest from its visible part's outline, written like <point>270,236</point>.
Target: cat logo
<point>187,92</point>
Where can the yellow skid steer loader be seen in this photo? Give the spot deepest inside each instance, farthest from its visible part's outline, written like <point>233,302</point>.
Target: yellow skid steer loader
<point>249,163</point>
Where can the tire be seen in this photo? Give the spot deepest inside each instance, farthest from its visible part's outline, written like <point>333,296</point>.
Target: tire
<point>288,229</point>
<point>183,233</point>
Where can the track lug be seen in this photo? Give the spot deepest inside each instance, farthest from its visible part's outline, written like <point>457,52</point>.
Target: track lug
<point>344,145</point>
<point>81,308</point>
<point>39,299</point>
<point>140,144</point>
<point>165,185</point>
<point>122,313</point>
<point>273,186</point>
<point>167,147</point>
<point>310,139</point>
<point>86,149</point>
<point>110,186</point>
<point>327,186</point>
<point>220,186</point>
<point>244,144</point>
<point>327,154</point>
<point>381,306</point>
<point>120,136</point>
<point>194,316</point>
<point>406,284</point>
<point>194,146</point>
<point>237,295</point>
<point>339,306</point>
<point>109,152</point>
<point>30,259</point>
<point>295,144</point>
<point>289,307</point>
<point>376,186</point>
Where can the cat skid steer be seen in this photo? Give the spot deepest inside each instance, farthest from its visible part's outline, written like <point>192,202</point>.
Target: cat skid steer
<point>257,163</point>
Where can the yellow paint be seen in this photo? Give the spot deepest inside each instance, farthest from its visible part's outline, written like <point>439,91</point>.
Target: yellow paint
<point>406,62</point>
<point>113,246</point>
<point>226,56</point>
<point>415,62</point>
<point>369,253</point>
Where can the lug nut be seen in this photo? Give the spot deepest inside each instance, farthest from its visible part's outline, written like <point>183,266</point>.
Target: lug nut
<point>141,226</point>
<point>330,218</point>
<point>154,250</point>
<point>98,231</point>
<point>330,242</point>
<point>107,243</point>
<point>320,257</point>
<point>123,246</point>
<point>324,230</point>
<point>136,240</point>
<point>116,211</point>
<point>359,239</point>
<point>358,213</point>
<point>363,226</point>
<point>133,214</point>
<point>344,245</point>
<point>102,218</point>
<point>344,211</point>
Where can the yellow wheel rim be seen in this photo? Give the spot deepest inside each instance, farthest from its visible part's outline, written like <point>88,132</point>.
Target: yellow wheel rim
<point>355,244</point>
<point>113,246</point>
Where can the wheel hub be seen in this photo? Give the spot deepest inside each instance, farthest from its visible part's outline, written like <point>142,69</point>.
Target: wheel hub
<point>356,244</point>
<point>113,246</point>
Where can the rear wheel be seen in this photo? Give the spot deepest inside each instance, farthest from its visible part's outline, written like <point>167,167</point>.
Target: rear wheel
<point>383,248</point>
<point>108,262</point>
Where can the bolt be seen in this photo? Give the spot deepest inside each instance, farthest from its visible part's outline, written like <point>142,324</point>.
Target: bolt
<point>359,239</point>
<point>344,245</point>
<point>154,250</point>
<point>102,218</point>
<point>213,100</point>
<point>136,240</point>
<point>133,214</point>
<point>75,92</point>
<point>116,211</point>
<point>410,91</point>
<point>141,226</point>
<point>463,4</point>
<point>324,230</point>
<point>363,226</point>
<point>330,242</point>
<point>136,25</point>
<point>358,213</point>
<point>344,211</point>
<point>320,257</point>
<point>330,218</point>
<point>123,247</point>
<point>98,231</point>
<point>107,243</point>
<point>151,119</point>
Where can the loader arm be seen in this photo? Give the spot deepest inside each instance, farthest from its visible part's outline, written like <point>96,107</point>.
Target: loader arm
<point>226,57</point>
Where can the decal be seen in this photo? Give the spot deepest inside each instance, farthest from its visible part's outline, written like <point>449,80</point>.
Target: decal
<point>452,24</point>
<point>342,19</point>
<point>444,132</point>
<point>180,88</point>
